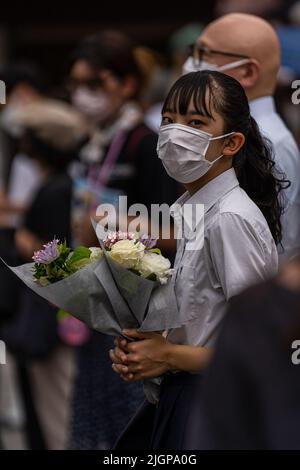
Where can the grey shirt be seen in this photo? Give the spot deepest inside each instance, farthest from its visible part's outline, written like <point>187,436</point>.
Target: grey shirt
<point>238,250</point>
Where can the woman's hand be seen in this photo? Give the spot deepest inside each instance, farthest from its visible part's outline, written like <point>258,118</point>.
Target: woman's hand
<point>139,360</point>
<point>153,355</point>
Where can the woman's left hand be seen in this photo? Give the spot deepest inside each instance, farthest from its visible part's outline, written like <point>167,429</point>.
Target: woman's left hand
<point>142,359</point>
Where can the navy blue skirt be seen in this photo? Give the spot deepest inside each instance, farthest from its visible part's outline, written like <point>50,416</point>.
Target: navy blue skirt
<point>168,425</point>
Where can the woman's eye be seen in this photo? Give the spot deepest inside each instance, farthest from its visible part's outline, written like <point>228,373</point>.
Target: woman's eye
<point>196,122</point>
<point>166,120</point>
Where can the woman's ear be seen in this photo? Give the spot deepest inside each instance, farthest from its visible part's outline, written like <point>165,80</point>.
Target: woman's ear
<point>234,143</point>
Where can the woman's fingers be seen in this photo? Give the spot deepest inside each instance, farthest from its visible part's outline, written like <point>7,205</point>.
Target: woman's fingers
<point>137,334</point>
<point>117,355</point>
<point>128,377</point>
<point>123,372</point>
<point>120,369</point>
<point>122,343</point>
<point>113,357</point>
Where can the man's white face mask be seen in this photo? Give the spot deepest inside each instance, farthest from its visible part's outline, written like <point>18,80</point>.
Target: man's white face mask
<point>182,150</point>
<point>191,65</point>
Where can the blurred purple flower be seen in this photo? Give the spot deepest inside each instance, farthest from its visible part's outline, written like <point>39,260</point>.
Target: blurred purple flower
<point>48,254</point>
<point>148,241</point>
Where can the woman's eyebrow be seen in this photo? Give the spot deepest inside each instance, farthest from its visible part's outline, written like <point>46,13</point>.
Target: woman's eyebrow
<point>193,112</point>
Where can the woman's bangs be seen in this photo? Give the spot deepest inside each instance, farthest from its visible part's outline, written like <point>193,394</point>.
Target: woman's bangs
<point>189,90</point>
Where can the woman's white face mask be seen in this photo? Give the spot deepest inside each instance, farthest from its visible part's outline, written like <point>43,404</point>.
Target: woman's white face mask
<point>182,150</point>
<point>94,104</point>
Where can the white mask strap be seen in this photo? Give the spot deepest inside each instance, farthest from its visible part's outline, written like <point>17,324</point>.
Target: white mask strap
<point>233,65</point>
<point>214,161</point>
<point>222,136</point>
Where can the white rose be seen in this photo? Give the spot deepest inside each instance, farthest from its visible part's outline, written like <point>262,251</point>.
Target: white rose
<point>127,253</point>
<point>153,263</point>
<point>96,253</point>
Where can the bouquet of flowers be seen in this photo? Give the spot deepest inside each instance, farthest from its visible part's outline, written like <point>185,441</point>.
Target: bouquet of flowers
<point>56,261</point>
<point>126,283</point>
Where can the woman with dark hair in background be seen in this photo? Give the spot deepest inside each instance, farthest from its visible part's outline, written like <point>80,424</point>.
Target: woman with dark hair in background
<point>119,160</point>
<point>209,142</point>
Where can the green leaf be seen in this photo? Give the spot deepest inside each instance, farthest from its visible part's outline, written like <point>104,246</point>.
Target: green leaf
<point>80,264</point>
<point>155,250</point>
<point>39,270</point>
<point>63,251</point>
<point>80,253</point>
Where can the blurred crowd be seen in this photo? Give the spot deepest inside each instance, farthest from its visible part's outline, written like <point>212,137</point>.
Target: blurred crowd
<point>64,151</point>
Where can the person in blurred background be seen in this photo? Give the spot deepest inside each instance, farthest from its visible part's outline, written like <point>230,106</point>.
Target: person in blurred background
<point>25,84</point>
<point>156,81</point>
<point>160,76</point>
<point>246,47</point>
<point>20,179</point>
<point>49,133</point>
<point>251,390</point>
<point>120,159</point>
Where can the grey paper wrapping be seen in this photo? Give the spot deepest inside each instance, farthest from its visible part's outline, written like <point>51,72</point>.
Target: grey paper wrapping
<point>153,305</point>
<point>162,312</point>
<point>93,296</point>
<point>84,296</point>
<point>135,289</point>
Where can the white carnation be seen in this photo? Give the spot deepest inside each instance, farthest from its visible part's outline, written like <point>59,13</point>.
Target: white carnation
<point>153,263</point>
<point>127,253</point>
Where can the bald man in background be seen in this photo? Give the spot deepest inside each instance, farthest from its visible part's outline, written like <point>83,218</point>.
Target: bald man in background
<point>247,48</point>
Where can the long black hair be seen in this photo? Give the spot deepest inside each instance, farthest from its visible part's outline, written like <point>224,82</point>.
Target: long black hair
<point>253,164</point>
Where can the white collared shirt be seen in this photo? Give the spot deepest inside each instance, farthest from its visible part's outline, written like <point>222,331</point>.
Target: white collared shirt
<point>287,159</point>
<point>238,250</point>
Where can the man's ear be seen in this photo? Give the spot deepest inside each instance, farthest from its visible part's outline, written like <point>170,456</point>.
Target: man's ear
<point>234,143</point>
<point>250,74</point>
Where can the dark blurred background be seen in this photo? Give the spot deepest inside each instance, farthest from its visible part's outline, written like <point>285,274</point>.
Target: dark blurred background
<point>47,34</point>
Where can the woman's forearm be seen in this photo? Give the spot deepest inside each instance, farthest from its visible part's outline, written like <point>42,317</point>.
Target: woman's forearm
<point>193,359</point>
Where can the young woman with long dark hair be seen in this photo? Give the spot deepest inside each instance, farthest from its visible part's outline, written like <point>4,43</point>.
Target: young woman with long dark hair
<point>209,142</point>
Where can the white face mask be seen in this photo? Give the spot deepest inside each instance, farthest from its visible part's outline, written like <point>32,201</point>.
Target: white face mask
<point>182,150</point>
<point>191,65</point>
<point>95,105</point>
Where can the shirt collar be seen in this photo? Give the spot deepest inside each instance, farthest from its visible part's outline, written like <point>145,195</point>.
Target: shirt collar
<point>261,106</point>
<point>207,196</point>
<point>210,193</point>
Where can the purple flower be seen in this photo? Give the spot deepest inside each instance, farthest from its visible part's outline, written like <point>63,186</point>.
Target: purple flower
<point>48,254</point>
<point>148,241</point>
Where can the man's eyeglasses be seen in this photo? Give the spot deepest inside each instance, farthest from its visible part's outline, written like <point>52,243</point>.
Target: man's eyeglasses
<point>197,52</point>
